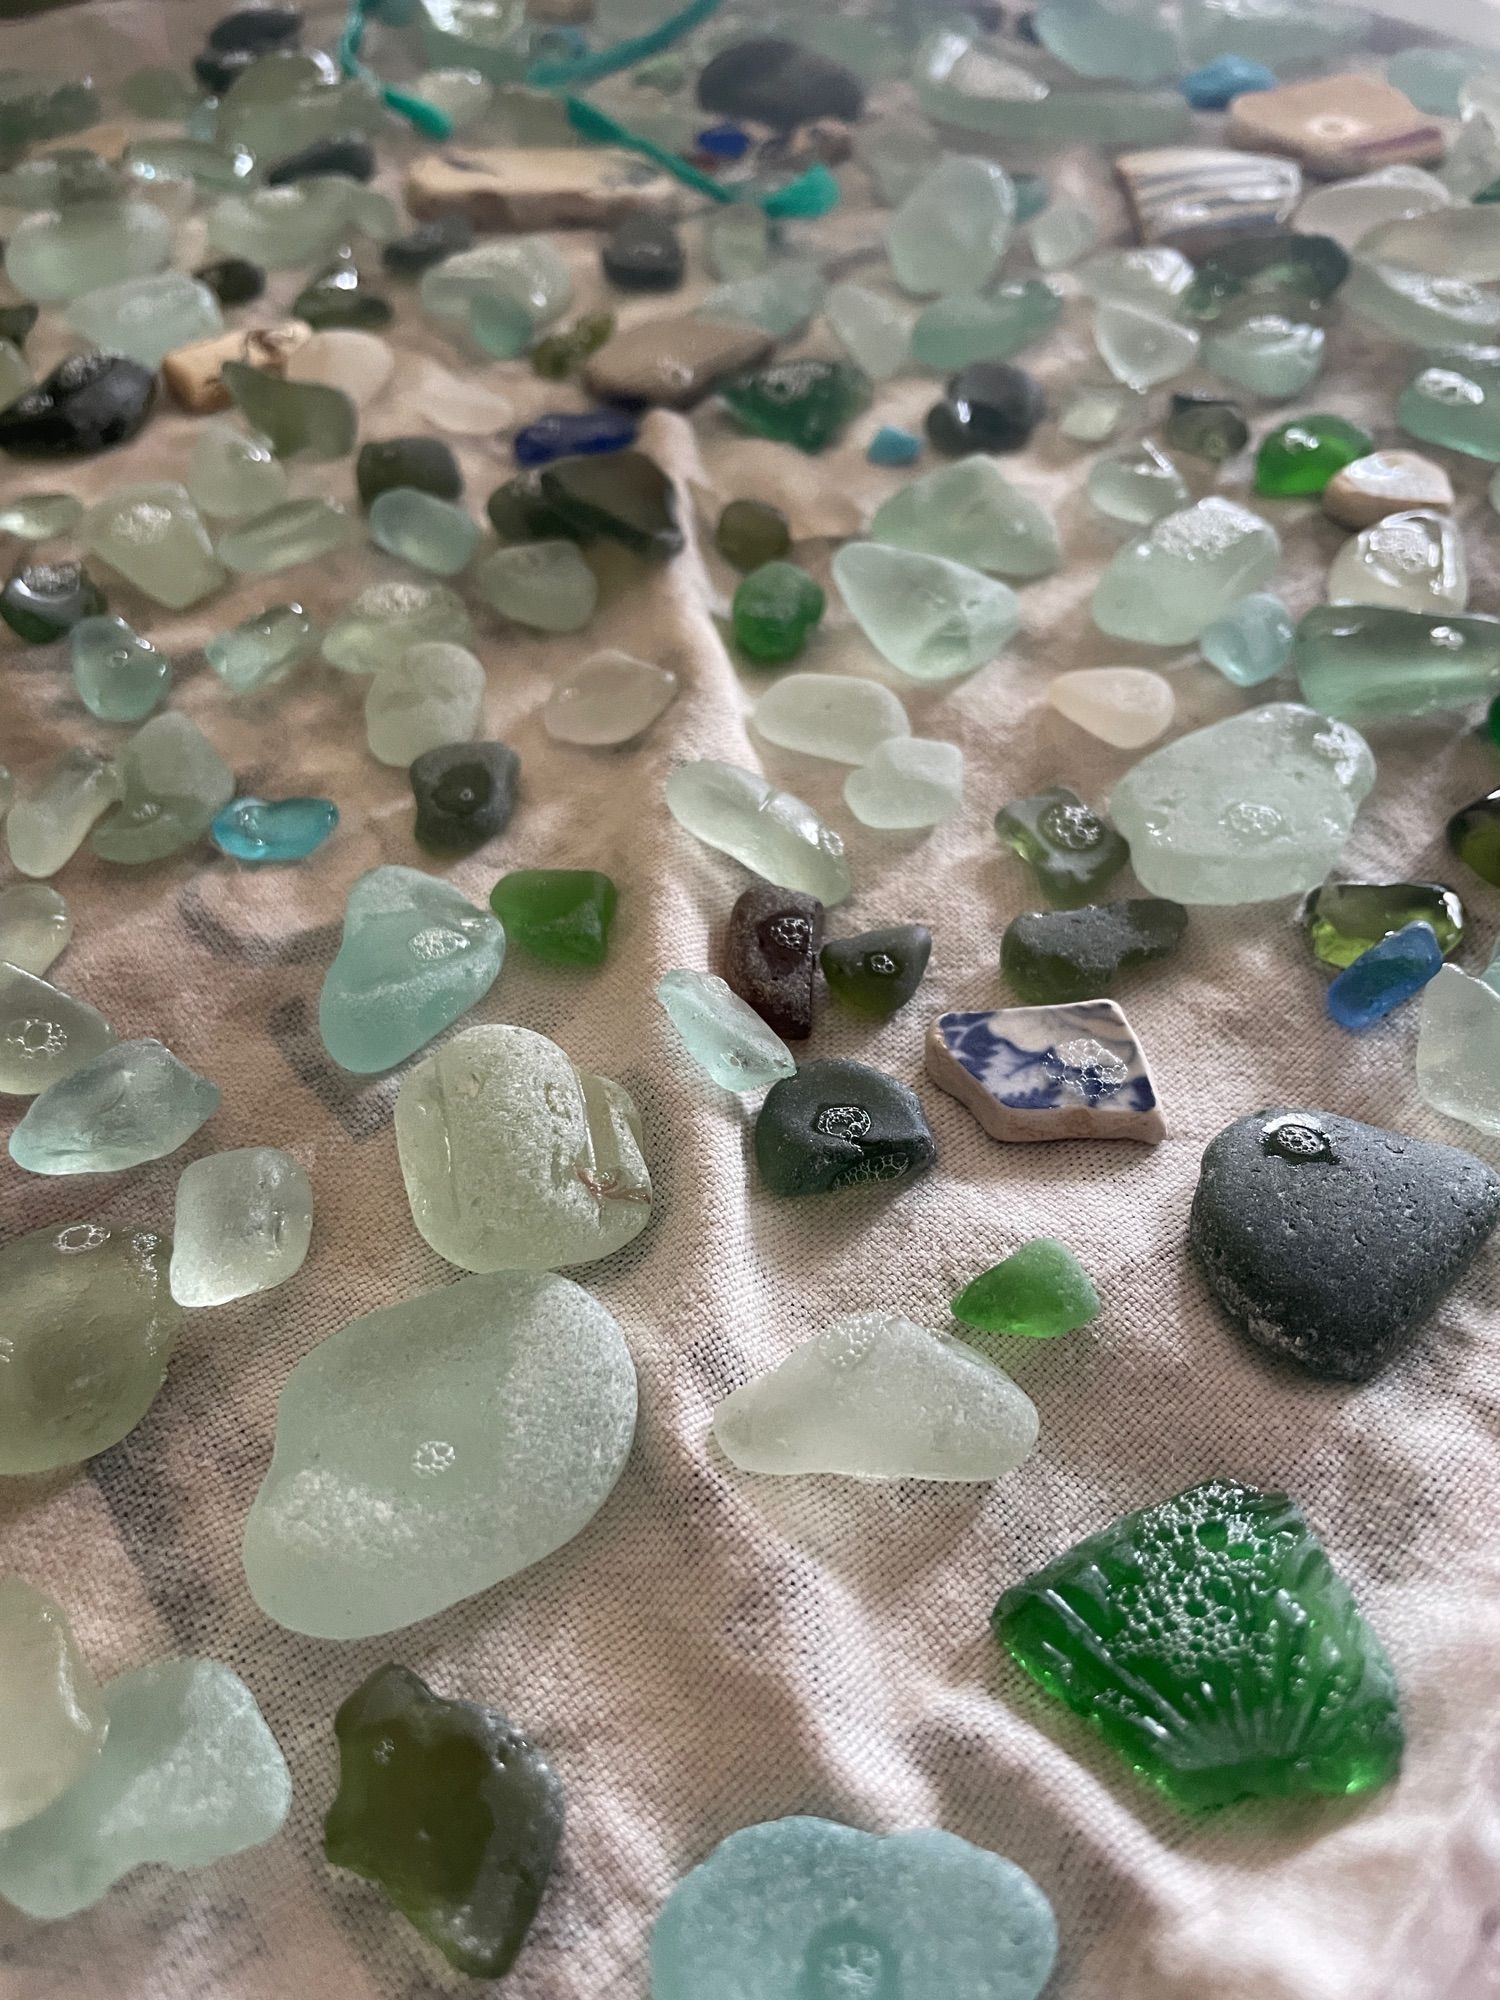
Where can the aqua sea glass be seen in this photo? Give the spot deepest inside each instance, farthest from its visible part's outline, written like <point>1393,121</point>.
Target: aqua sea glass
<point>131,1103</point>
<point>120,676</point>
<point>722,1033</point>
<point>772,833</point>
<point>1251,641</point>
<point>1455,403</point>
<point>432,534</point>
<point>1122,40</point>
<point>257,830</point>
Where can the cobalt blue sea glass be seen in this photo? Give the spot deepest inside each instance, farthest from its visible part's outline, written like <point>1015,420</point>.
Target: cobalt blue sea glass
<point>572,434</point>
<point>273,829</point>
<point>1385,975</point>
<point>723,142</point>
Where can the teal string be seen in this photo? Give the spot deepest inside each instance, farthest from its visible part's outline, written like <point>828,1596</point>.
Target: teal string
<point>566,71</point>
<point>427,119</point>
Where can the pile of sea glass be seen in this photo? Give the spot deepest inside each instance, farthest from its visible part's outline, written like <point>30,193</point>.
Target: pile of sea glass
<point>1287,176</point>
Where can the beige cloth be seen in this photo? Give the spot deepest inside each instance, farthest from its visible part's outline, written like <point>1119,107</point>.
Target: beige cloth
<point>718,1649</point>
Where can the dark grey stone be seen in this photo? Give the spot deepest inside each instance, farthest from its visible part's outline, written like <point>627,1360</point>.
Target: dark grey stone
<point>989,406</point>
<point>643,253</point>
<point>465,794</point>
<point>840,1125</point>
<point>778,83</point>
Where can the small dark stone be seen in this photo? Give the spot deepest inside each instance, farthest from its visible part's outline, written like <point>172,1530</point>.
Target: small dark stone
<point>644,254</point>
<point>771,954</point>
<point>347,154</point>
<point>1206,427</point>
<point>518,513</point>
<point>1330,1241</point>
<point>751,533</point>
<point>622,495</point>
<point>218,69</point>
<point>43,601</point>
<point>878,971</point>
<point>428,244</point>
<point>341,296</point>
<point>234,281</point>
<point>778,83</point>
<point>90,402</point>
<point>840,1125</point>
<point>465,794</point>
<point>989,406</point>
<point>16,322</point>
<point>423,462</point>
<point>1054,957</point>
<point>258,29</point>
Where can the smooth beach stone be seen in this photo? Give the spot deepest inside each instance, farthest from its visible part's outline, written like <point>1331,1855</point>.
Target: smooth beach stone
<point>1381,1228</point>
<point>232,476</point>
<point>804,1906</point>
<point>1038,1292</point>
<point>341,357</point>
<point>1141,349</point>
<point>750,533</point>
<point>874,1396</point>
<point>465,794</point>
<point>189,1773</point>
<point>1210,1642</point>
<point>771,833</point>
<point>572,434</point>
<point>1380,979</point>
<point>623,496</point>
<point>528,272</point>
<point>346,154</point>
<point>951,231</point>
<point>875,331</point>
<point>234,281</point>
<point>41,602</point>
<point>47,828</point>
<point>414,464</point>
<point>516,1160</point>
<point>1343,920</point>
<point>965,327</point>
<point>1270,355</point>
<point>1457,1044</point>
<point>131,1103</point>
<point>1252,640</point>
<point>779,83</point>
<point>154,536</point>
<point>1093,416</point>
<point>722,1033</point>
<point>298,531</point>
<point>1424,311</point>
<point>35,926</point>
<point>120,677</point>
<point>1059,956</point>
<point>1412,561</point>
<point>612,698</point>
<point>560,915</point>
<point>545,585</point>
<point>775,611</point>
<point>1281,265</point>
<point>674,362</point>
<point>1191,566</point>
<point>970,513</point>
<point>386,620</point>
<point>89,403</point>
<point>262,648</point>
<point>449,1811</point>
<point>256,830</point>
<point>838,1124</point>
<point>145,318</point>
<point>1152,275</point>
<point>1072,850</point>
<point>1350,210</point>
<point>1385,482</point>
<point>45,1034</point>
<point>987,406</point>
<point>57,254</point>
<point>838,716</point>
<point>877,972</point>
<point>57,1715</point>
<point>1137,483</point>
<point>808,403</point>
<point>643,253</point>
<point>1302,455</point>
<point>1457,404</point>
<point>413,957</point>
<point>1205,427</point>
<point>931,618</point>
<point>1337,124</point>
<point>431,534</point>
<point>1369,662</point>
<point>172,782</point>
<point>907,783</point>
<point>1041,1073</point>
<point>1473,834</point>
<point>40,517</point>
<point>771,956</point>
<point>893,446</point>
<point>243,1223</point>
<point>781,301</point>
<point>297,419</point>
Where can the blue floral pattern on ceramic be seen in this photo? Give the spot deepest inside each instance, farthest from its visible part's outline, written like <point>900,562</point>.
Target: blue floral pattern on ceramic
<point>1053,1058</point>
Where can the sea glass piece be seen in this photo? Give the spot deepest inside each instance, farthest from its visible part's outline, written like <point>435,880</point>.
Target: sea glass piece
<point>154,536</point>
<point>963,82</point>
<point>528,272</point>
<point>722,1033</point>
<point>45,1034</point>
<point>1281,266</point>
<point>89,403</point>
<point>414,956</point>
<point>1213,86</point>
<point>1038,1292</point>
<point>1412,561</point>
<point>1268,354</point>
<point>1367,662</point>
<point>907,783</point>
<point>1248,809</point>
<point>1185,572</point>
<point>780,300</point>
<point>1455,403</point>
<point>1137,483</point>
<point>1473,834</point>
<point>297,419</point>
<point>1344,919</point>
<point>965,327</point>
<point>1150,275</point>
<point>574,433</point>
<point>40,517</point>
<point>1093,416</point>
<point>47,828</point>
<point>1206,427</point>
<point>877,972</point>
<point>643,253</point>
<point>1384,977</point>
<point>1042,1073</point>
<point>804,1906</point>
<point>233,476</point>
<point>874,330</point>
<point>808,403</point>
<point>752,532</point>
<point>35,926</point>
<point>1302,455</point>
<point>1072,850</point>
<point>145,318</point>
<point>1350,210</point>
<point>545,585</point>
<point>387,619</point>
<point>260,830</point>
<point>131,1103</point>
<point>465,795</point>
<point>298,531</point>
<point>770,832</point>
<point>234,281</point>
<point>420,464</point>
<point>243,1223</point>
<point>951,231</point>
<point>287,228</point>
<point>1252,641</point>
<point>90,1328</point>
<point>771,956</point>
<point>775,611</point>
<point>1061,234</point>
<point>837,1125</point>
<point>875,1396</point>
<point>431,696</point>
<point>189,1773</point>
<point>342,297</point>
<point>1432,77</point>
<point>1458,1074</point>
<point>58,1718</point>
<point>1051,956</point>
<point>58,254</point>
<point>172,782</point>
<point>891,445</point>
<point>970,513</point>
<point>449,1811</point>
<point>1210,1641</point>
<point>838,716</point>
<point>986,406</point>
<point>41,602</point>
<point>263,648</point>
<point>1141,349</point>
<point>484,1423</point>
<point>612,698</point>
<point>1426,312</point>
<point>559,915</point>
<point>1385,482</point>
<point>931,618</point>
<point>736,241</point>
<point>120,677</point>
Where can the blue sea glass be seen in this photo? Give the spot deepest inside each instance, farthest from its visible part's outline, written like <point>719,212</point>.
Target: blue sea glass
<point>573,434</point>
<point>1381,978</point>
<point>893,446</point>
<point>273,829</point>
<point>1212,85</point>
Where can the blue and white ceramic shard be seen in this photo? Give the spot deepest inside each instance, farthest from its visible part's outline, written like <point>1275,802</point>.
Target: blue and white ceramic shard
<point>1048,1072</point>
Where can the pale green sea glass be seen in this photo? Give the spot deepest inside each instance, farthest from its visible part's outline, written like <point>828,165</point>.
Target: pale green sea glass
<point>931,618</point>
<point>1124,41</point>
<point>120,677</point>
<point>722,1033</point>
<point>285,228</point>
<point>1458,1048</point>
<point>772,833</point>
<point>243,1224</point>
<point>1455,403</point>
<point>546,585</point>
<point>1061,234</point>
<point>1185,572</point>
<point>434,694</point>
<point>1268,354</point>
<point>1369,662</point>
<point>609,699</point>
<point>37,517</point>
<point>953,228</point>
<point>234,477</point>
<point>838,716</point>
<point>44,829</point>
<point>966,81</point>
<point>131,1103</point>
<point>1152,276</point>
<point>874,329</point>
<point>154,536</point>
<point>524,271</point>
<point>907,783</point>
<point>262,648</point>
<point>1410,561</point>
<point>297,531</point>
<point>970,513</point>
<point>1137,483</point>
<point>45,1034</point>
<point>35,926</point>
<point>147,317</point>
<point>1142,349</point>
<point>57,254</point>
<point>1427,312</point>
<point>952,332</point>
<point>172,782</point>
<point>781,300</point>
<point>386,619</point>
<point>432,534</point>
<point>55,1716</point>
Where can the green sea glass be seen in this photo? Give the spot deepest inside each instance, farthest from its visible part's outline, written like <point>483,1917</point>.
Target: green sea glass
<point>1343,920</point>
<point>1367,663</point>
<point>46,828</point>
<point>1056,958</point>
<point>45,1034</point>
<point>40,517</point>
<point>430,533</point>
<point>1039,1291</point>
<point>951,231</point>
<point>147,317</point>
<point>234,477</point>
<point>967,326</point>
<point>1302,455</point>
<point>808,403</point>
<point>877,972</point>
<point>775,611</point>
<point>1279,267</point>
<point>286,228</point>
<point>1093,415</point>
<point>56,1714</point>
<point>1072,851</point>
<point>58,254</point>
<point>386,619</point>
<point>164,158</point>
<point>242,1225</point>
<point>722,1033</point>
<point>1153,276</point>
<point>907,783</point>
<point>449,1811</point>
<point>35,926</point>
<point>1268,354</point>
<point>559,915</point>
<point>131,1103</point>
<point>875,330</point>
<point>772,833</point>
<point>432,695</point>
<point>1409,561</point>
<point>297,419</point>
<point>341,296</point>
<point>1206,427</point>
<point>975,85</point>
<point>154,536</point>
<point>1185,572</point>
<point>262,648</point>
<point>931,618</point>
<point>120,677</point>
<point>1210,1641</point>
<point>35,106</point>
<point>1137,483</point>
<point>297,531</point>
<point>546,585</point>
<point>839,716</point>
<point>970,513</point>
<point>1455,403</point>
<point>172,782</point>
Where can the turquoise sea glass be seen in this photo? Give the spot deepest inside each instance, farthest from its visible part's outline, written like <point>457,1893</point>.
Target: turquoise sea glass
<point>273,829</point>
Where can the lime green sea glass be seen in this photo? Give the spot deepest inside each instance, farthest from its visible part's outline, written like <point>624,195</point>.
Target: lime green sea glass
<point>1040,1290</point>
<point>1343,920</point>
<point>1302,455</point>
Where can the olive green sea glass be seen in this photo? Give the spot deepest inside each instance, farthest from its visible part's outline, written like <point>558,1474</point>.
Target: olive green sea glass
<point>1058,957</point>
<point>807,403</point>
<point>297,419</point>
<point>1343,920</point>
<point>57,1719</point>
<point>1071,849</point>
<point>877,972</point>
<point>1366,662</point>
<point>1039,1291</point>
<point>559,915</point>
<point>172,782</point>
<point>619,496</point>
<point>341,296</point>
<point>35,106</point>
<point>1205,427</point>
<point>1473,833</point>
<point>752,532</point>
<point>295,532</point>
<point>449,1811</point>
<point>775,611</point>
<point>1210,1641</point>
<point>1302,455</point>
<point>120,677</point>
<point>386,619</point>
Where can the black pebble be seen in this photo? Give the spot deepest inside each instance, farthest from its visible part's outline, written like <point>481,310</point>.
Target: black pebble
<point>840,1125</point>
<point>425,463</point>
<point>90,402</point>
<point>234,281</point>
<point>348,155</point>
<point>428,244</point>
<point>257,29</point>
<point>465,794</point>
<point>771,953</point>
<point>989,406</point>
<point>778,83</point>
<point>218,69</point>
<point>643,254</point>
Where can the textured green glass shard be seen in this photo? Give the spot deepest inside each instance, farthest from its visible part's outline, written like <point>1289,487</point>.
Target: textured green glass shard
<point>1070,849</point>
<point>1210,1641</point>
<point>1343,920</point>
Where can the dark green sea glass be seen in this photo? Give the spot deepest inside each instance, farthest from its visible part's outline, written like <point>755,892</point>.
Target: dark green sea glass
<point>1054,957</point>
<point>1206,427</point>
<point>1303,270</point>
<point>878,971</point>
<point>1344,919</point>
<point>808,403</point>
<point>1069,847</point>
<point>560,915</point>
<point>425,464</point>
<point>622,495</point>
<point>41,601</point>
<point>341,296</point>
<point>752,532</point>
